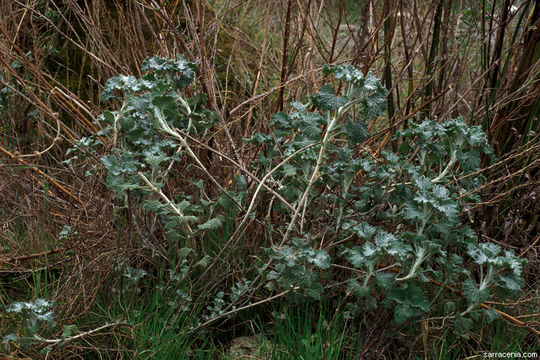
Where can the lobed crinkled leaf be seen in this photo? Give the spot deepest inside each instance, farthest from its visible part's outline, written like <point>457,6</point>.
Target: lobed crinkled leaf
<point>8,339</point>
<point>183,70</point>
<point>259,138</point>
<point>320,259</point>
<point>123,83</point>
<point>410,301</point>
<point>385,280</point>
<point>489,253</point>
<point>365,230</point>
<point>473,293</point>
<point>308,123</point>
<point>491,314</point>
<point>373,105</point>
<point>511,282</point>
<point>357,289</point>
<point>356,256</point>
<point>463,323</point>
<point>212,224</point>
<point>345,72</point>
<point>281,120</point>
<point>326,100</point>
<point>356,132</point>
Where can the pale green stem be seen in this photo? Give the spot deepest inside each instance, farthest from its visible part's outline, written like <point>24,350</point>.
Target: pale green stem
<point>116,119</point>
<point>266,177</point>
<point>368,275</point>
<point>453,160</point>
<point>166,199</point>
<point>188,111</point>
<point>78,336</point>
<point>315,175</point>
<point>424,221</point>
<point>420,257</point>
<point>484,284</point>
<point>346,186</point>
<point>164,126</point>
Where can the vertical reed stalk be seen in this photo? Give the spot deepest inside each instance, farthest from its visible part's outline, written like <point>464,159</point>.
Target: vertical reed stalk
<point>430,65</point>
<point>284,55</point>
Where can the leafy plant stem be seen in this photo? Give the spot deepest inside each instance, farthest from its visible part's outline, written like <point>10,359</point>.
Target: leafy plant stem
<point>368,275</point>
<point>424,221</point>
<point>340,214</point>
<point>453,160</point>
<point>266,177</point>
<point>346,186</point>
<point>164,126</point>
<point>421,255</point>
<point>116,118</point>
<point>245,171</point>
<point>485,283</point>
<point>188,111</point>
<point>315,174</point>
<point>240,228</point>
<point>233,311</point>
<point>166,199</point>
<point>75,337</point>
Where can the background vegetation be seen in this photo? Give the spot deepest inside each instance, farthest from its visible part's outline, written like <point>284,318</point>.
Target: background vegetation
<point>104,262</point>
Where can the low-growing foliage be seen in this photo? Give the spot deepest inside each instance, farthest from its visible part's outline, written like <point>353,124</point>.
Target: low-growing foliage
<point>37,317</point>
<point>388,230</point>
<point>398,221</point>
